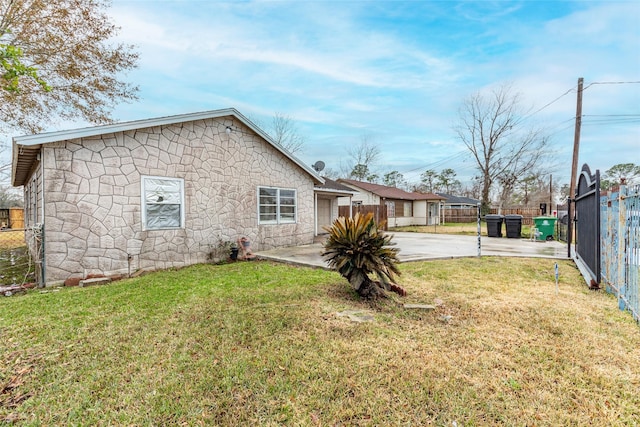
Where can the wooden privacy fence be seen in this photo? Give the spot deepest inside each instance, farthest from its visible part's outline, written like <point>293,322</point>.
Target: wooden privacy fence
<point>620,247</point>
<point>460,215</point>
<point>12,218</point>
<point>379,212</point>
<point>470,214</point>
<point>527,213</point>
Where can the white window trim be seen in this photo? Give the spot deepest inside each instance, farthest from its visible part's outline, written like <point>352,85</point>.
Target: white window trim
<point>143,210</point>
<point>408,207</point>
<point>278,220</point>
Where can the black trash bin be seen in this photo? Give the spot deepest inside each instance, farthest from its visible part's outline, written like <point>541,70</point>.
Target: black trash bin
<point>494,225</point>
<point>513,226</point>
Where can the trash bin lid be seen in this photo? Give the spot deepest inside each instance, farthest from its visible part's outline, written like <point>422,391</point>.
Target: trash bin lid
<point>513,216</point>
<point>493,216</point>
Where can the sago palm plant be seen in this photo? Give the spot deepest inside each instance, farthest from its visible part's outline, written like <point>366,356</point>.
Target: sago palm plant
<point>358,249</point>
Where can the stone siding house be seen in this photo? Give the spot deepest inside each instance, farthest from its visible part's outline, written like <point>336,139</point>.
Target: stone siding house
<point>158,193</point>
<point>402,207</point>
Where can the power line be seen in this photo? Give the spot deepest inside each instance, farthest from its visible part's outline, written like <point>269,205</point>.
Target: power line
<point>437,163</point>
<point>611,83</point>
<point>573,90</point>
<point>611,115</point>
<point>612,121</point>
<point>550,103</point>
<point>606,119</point>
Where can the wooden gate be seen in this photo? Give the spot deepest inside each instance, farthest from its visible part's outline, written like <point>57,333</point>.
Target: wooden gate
<point>379,212</point>
<point>587,225</point>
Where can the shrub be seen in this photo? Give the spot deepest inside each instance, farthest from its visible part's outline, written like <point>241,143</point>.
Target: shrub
<point>357,248</point>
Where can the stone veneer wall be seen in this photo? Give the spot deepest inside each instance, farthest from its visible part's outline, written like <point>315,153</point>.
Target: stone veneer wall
<point>93,205</point>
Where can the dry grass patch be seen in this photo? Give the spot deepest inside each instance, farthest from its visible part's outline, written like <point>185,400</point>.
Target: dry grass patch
<point>260,344</point>
<point>10,239</point>
<point>468,229</point>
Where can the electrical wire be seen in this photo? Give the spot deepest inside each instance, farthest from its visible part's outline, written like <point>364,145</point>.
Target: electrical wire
<point>437,163</point>
<point>550,103</point>
<point>607,119</point>
<point>609,83</point>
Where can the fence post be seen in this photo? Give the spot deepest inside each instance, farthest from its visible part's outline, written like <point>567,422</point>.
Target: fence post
<point>621,270</point>
<point>479,232</point>
<point>43,265</point>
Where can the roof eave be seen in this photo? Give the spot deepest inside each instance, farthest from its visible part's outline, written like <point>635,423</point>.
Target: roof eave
<point>332,191</point>
<point>26,158</point>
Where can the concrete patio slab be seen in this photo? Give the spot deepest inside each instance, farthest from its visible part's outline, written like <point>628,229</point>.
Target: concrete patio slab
<point>425,246</point>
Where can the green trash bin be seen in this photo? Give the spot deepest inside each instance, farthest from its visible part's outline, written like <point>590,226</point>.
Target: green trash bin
<point>546,226</point>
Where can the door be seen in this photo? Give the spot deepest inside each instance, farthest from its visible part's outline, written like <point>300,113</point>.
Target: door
<point>433,214</point>
<point>324,215</point>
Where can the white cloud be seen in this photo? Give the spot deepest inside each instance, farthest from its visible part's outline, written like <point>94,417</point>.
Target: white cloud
<point>396,70</point>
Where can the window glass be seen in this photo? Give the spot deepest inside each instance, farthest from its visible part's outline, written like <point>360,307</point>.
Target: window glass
<point>277,205</point>
<point>408,211</point>
<point>391,209</point>
<point>163,201</point>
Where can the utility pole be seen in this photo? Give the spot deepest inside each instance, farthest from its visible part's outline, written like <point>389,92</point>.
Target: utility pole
<point>551,194</point>
<point>574,165</point>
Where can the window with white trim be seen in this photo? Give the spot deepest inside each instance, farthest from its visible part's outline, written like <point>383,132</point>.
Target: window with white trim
<point>408,208</point>
<point>391,208</point>
<point>277,206</point>
<point>162,203</point>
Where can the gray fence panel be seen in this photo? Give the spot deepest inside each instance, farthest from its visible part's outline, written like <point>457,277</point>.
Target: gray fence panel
<point>620,247</point>
<point>587,223</point>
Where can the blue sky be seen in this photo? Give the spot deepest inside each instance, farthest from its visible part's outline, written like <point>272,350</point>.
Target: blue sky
<point>395,72</point>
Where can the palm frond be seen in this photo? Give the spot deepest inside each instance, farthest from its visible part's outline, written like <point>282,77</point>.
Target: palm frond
<point>357,247</point>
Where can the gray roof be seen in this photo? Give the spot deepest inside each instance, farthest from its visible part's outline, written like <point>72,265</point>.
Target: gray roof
<point>27,147</point>
<point>458,200</point>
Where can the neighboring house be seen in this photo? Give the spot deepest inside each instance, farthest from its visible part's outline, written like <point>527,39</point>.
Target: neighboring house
<point>458,202</point>
<point>159,193</point>
<point>403,208</point>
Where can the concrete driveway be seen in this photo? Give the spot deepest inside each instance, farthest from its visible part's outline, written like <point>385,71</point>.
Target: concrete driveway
<point>424,246</point>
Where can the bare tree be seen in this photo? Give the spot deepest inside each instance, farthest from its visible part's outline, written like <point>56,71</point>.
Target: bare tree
<point>285,132</point>
<point>60,63</point>
<point>492,128</point>
<point>10,197</point>
<point>331,173</point>
<point>362,160</point>
<point>472,189</point>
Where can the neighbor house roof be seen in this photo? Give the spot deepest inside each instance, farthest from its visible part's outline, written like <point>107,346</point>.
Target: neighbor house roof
<point>389,192</point>
<point>26,148</point>
<point>458,200</point>
<point>331,186</point>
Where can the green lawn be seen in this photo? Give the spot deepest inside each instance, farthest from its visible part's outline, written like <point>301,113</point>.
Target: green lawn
<point>258,343</point>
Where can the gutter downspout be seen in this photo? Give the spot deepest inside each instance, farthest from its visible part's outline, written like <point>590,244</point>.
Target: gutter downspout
<point>351,206</point>
<point>315,208</point>
<point>43,267</point>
